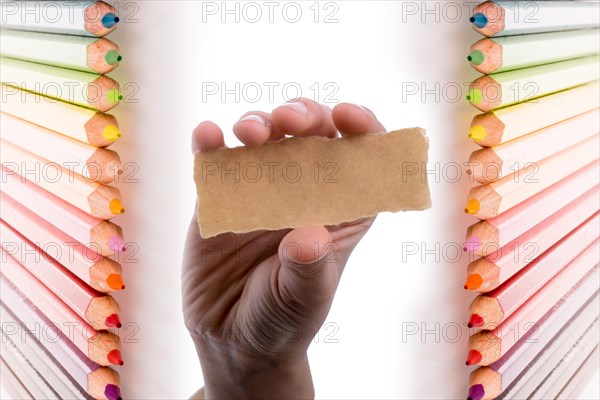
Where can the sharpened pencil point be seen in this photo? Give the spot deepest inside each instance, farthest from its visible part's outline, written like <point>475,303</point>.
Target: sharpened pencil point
<point>109,20</point>
<point>474,357</point>
<point>111,132</point>
<point>472,244</point>
<point>476,57</point>
<point>476,392</point>
<point>475,321</point>
<point>477,132</point>
<point>115,282</point>
<point>116,207</point>
<point>472,207</point>
<point>114,96</point>
<point>479,20</point>
<point>475,96</point>
<point>112,57</point>
<point>114,357</point>
<point>474,281</point>
<point>116,243</point>
<point>112,392</point>
<point>113,321</point>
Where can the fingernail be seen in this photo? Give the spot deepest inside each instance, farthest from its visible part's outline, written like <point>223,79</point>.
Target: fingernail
<point>365,109</point>
<point>255,118</point>
<point>298,106</point>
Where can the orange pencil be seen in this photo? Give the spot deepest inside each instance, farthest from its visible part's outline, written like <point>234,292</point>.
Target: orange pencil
<point>485,347</point>
<point>489,235</point>
<point>489,200</point>
<point>101,236</point>
<point>102,347</point>
<point>99,272</point>
<point>97,309</point>
<point>100,201</point>
<point>490,164</point>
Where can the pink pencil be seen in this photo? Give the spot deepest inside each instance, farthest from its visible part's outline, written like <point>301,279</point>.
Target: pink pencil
<point>487,236</point>
<point>98,309</point>
<point>101,236</point>
<point>101,347</point>
<point>99,272</point>
<point>489,272</point>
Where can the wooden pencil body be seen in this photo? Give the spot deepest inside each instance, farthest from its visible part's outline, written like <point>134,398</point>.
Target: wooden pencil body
<point>500,126</point>
<point>522,51</point>
<point>87,265</point>
<point>95,164</point>
<point>66,51</point>
<point>81,18</point>
<point>82,88</point>
<point>100,201</point>
<point>80,123</point>
<point>491,164</point>
<point>505,88</point>
<point>80,297</point>
<point>523,17</point>
<point>502,195</point>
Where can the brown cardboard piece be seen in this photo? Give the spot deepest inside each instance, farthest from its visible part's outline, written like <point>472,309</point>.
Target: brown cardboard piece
<point>311,180</point>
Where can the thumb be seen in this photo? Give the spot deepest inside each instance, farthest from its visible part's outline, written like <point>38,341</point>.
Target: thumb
<point>309,274</point>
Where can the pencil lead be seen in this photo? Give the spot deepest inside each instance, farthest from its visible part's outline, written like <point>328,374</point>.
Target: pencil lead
<point>111,132</point>
<point>475,96</point>
<point>116,207</point>
<point>115,282</point>
<point>474,282</point>
<point>112,392</point>
<point>472,244</point>
<point>475,321</point>
<point>476,392</point>
<point>477,132</point>
<point>479,20</point>
<point>476,57</point>
<point>474,357</point>
<point>472,207</point>
<point>116,243</point>
<point>113,321</point>
<point>114,357</point>
<point>109,20</point>
<point>112,57</point>
<point>114,96</point>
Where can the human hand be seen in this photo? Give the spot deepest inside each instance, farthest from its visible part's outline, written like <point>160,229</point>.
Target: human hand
<point>253,302</point>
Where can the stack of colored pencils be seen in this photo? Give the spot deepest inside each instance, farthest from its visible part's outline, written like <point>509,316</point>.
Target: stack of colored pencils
<point>535,248</point>
<point>56,201</point>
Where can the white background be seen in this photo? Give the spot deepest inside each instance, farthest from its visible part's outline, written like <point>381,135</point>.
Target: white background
<point>372,55</point>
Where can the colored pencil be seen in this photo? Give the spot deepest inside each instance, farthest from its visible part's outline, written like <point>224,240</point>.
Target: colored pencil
<point>86,125</point>
<point>489,200</point>
<point>102,347</point>
<point>562,372</point>
<point>557,330</point>
<point>581,378</point>
<point>97,309</point>
<point>500,126</point>
<point>493,55</point>
<point>60,381</point>
<point>103,237</point>
<point>487,236</point>
<point>86,54</point>
<point>93,163</point>
<point>493,163</point>
<point>99,382</point>
<point>28,375</point>
<point>11,383</point>
<point>505,88</point>
<point>485,347</point>
<point>98,200</point>
<point>490,309</point>
<point>101,273</point>
<point>487,273</point>
<point>504,18</point>
<point>80,18</point>
<point>82,88</point>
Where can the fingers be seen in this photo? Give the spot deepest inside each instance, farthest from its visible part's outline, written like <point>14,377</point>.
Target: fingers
<point>207,136</point>
<point>352,119</point>
<point>307,278</point>
<point>304,118</point>
<point>255,129</point>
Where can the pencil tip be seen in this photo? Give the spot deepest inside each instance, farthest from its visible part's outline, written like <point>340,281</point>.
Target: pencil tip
<point>113,321</point>
<point>474,282</point>
<point>476,392</point>
<point>112,392</point>
<point>116,207</point>
<point>112,57</point>
<point>475,96</point>
<point>115,282</point>
<point>472,207</point>
<point>476,320</point>
<point>114,357</point>
<point>479,19</point>
<point>477,132</point>
<point>476,57</point>
<point>474,357</point>
<point>114,96</point>
<point>111,132</point>
<point>109,20</point>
